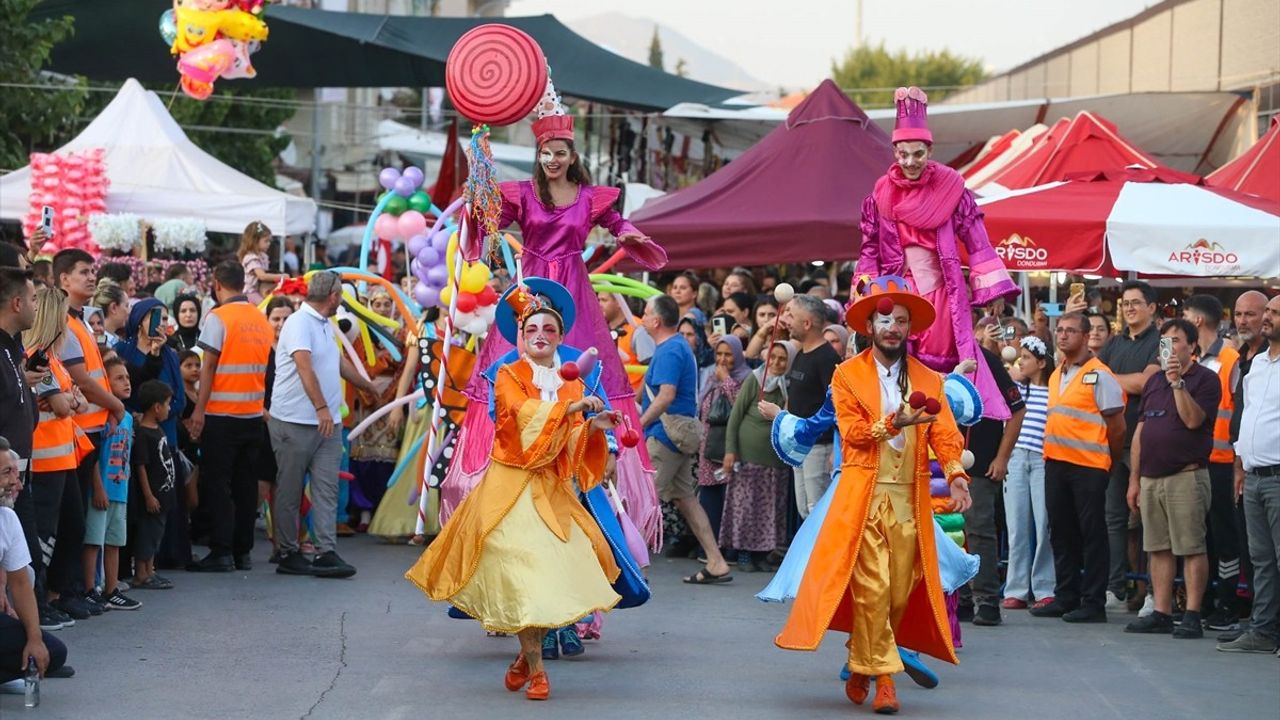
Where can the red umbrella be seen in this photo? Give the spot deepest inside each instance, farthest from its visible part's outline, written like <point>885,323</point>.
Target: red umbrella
<point>1257,171</point>
<point>1156,221</point>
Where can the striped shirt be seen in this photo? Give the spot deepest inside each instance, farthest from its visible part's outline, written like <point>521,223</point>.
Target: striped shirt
<point>1032,435</point>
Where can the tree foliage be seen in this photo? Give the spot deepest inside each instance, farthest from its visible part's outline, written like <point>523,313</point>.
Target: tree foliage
<point>31,117</point>
<point>655,50</point>
<point>880,71</point>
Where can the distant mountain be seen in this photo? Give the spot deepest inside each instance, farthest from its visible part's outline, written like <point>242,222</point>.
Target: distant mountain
<point>629,37</point>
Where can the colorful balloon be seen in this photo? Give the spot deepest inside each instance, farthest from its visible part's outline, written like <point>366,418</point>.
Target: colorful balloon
<point>388,177</point>
<point>437,276</point>
<point>168,27</point>
<point>416,244</point>
<point>386,227</point>
<point>474,277</point>
<point>428,257</point>
<point>396,205</point>
<point>466,302</point>
<point>411,222</point>
<point>426,295</point>
<point>241,65</point>
<point>415,176</point>
<point>420,201</point>
<point>403,187</point>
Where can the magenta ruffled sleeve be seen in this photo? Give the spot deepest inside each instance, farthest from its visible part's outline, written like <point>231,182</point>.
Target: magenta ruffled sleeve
<point>869,253</point>
<point>648,254</point>
<point>988,277</point>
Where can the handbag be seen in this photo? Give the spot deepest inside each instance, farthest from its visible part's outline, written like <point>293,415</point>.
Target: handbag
<point>683,431</point>
<point>717,422</point>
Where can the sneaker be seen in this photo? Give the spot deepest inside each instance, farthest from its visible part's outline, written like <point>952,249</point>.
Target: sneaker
<point>95,596</point>
<point>49,621</point>
<point>76,607</point>
<point>244,562</point>
<point>95,608</point>
<point>1157,623</point>
<point>1013,603</point>
<point>1042,602</point>
<point>212,563</point>
<point>1051,609</point>
<point>119,601</point>
<point>1222,620</point>
<point>550,646</point>
<point>886,702</point>
<point>294,563</point>
<point>1115,602</point>
<point>1084,614</point>
<point>59,616</point>
<point>917,670</point>
<point>987,616</point>
<point>1148,607</point>
<point>1249,642</point>
<point>1189,628</point>
<point>570,643</point>
<point>1231,635</point>
<point>329,565</point>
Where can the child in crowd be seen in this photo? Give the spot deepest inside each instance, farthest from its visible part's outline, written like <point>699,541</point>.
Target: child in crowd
<point>154,471</point>
<point>105,520</point>
<point>189,361</point>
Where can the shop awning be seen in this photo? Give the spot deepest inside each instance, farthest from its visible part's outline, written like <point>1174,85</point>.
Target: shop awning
<point>316,48</point>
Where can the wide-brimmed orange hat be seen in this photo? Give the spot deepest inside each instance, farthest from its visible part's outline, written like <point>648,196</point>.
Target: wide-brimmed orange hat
<point>900,292</point>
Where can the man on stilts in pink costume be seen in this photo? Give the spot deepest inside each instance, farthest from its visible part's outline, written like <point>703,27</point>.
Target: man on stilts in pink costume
<point>913,225</point>
<point>556,210</point>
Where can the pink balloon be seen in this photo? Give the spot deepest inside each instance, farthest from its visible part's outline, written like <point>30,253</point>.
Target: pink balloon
<point>386,227</point>
<point>206,63</point>
<point>411,222</point>
<point>49,183</point>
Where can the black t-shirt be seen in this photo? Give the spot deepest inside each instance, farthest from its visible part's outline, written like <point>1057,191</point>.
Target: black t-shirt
<point>151,451</point>
<point>1125,355</point>
<point>18,414</point>
<point>807,383</point>
<point>984,437</point>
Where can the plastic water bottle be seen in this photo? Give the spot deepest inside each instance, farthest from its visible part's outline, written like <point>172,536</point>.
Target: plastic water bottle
<point>32,684</point>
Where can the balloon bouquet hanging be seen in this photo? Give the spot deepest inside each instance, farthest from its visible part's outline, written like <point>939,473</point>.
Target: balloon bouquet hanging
<point>213,39</point>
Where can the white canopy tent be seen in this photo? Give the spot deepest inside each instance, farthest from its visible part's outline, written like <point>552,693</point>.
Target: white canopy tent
<point>156,172</point>
<point>425,148</point>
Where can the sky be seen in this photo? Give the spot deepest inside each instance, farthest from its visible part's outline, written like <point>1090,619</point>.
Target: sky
<point>795,49</point>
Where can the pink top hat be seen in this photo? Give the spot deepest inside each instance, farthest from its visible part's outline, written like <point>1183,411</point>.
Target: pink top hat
<point>913,116</point>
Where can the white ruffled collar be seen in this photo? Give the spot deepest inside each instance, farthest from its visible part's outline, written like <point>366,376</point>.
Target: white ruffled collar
<point>547,379</point>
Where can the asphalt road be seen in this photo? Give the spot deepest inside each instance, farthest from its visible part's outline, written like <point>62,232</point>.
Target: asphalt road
<point>260,645</point>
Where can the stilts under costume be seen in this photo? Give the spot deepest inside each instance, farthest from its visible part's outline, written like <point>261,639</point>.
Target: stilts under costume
<point>554,239</point>
<point>521,551</point>
<point>873,571</point>
<point>917,229</point>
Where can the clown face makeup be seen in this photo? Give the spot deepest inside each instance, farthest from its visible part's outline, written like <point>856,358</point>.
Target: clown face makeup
<point>541,334</point>
<point>889,332</point>
<point>555,157</point>
<point>912,158</point>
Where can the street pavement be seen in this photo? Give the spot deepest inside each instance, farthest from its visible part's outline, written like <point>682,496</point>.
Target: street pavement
<point>260,645</point>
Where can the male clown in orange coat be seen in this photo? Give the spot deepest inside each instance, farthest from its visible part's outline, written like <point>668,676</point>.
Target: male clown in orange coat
<point>871,573</point>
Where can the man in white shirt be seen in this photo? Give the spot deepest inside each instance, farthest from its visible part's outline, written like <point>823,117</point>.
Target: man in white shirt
<point>20,634</point>
<point>1258,480</point>
<point>305,425</point>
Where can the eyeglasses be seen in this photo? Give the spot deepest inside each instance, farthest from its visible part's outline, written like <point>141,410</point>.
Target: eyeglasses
<point>1066,330</point>
<point>1133,303</point>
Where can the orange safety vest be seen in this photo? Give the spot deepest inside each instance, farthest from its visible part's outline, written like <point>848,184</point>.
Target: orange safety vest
<point>1222,451</point>
<point>240,379</point>
<point>1075,430</point>
<point>53,446</point>
<point>635,376</point>
<point>96,418</point>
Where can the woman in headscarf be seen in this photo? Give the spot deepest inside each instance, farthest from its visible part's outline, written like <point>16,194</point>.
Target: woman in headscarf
<point>696,335</point>
<point>838,336</point>
<point>755,506</point>
<point>149,358</point>
<point>721,390</point>
<point>186,310</point>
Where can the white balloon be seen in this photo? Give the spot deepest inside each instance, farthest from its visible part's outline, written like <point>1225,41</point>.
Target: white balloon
<point>1009,354</point>
<point>784,292</point>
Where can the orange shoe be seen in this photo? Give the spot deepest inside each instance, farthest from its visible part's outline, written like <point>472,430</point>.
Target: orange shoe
<point>539,687</point>
<point>886,702</point>
<point>857,687</point>
<point>517,674</point>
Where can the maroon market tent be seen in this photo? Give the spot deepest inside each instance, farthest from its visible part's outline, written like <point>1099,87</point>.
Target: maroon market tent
<point>795,196</point>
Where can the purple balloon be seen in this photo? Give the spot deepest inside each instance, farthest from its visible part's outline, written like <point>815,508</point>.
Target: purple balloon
<point>428,257</point>
<point>416,243</point>
<point>415,268</point>
<point>388,177</point>
<point>415,176</point>
<point>440,241</point>
<point>404,187</point>
<point>437,276</point>
<point>425,295</point>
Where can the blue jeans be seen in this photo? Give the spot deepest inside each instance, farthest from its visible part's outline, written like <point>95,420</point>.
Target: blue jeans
<point>1262,521</point>
<point>1030,573</point>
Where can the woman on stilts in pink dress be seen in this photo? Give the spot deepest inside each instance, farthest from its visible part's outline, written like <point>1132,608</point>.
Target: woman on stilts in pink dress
<point>556,211</point>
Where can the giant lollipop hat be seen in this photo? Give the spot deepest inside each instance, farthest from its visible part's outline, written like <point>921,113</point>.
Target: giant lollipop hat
<point>880,296</point>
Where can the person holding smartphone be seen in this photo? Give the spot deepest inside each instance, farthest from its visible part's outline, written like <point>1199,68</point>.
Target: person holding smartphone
<point>148,356</point>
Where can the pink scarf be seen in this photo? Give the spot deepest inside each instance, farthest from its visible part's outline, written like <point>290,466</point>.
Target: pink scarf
<point>925,203</point>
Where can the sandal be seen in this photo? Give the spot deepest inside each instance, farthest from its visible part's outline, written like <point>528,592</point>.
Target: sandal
<point>703,577</point>
<point>152,583</point>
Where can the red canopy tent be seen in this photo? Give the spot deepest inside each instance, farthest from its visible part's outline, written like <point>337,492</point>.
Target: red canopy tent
<point>1257,171</point>
<point>795,196</point>
<point>1087,143</point>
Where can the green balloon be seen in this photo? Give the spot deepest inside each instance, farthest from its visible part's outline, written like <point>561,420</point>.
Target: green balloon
<point>396,205</point>
<point>420,201</point>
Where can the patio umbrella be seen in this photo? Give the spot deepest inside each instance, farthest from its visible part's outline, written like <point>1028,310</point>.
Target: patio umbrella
<point>1154,221</point>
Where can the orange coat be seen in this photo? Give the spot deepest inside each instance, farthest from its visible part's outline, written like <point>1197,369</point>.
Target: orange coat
<point>823,601</point>
<point>534,442</point>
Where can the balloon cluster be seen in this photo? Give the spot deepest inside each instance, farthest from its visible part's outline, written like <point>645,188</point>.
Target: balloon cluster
<point>75,186</point>
<point>213,39</point>
<point>434,252</point>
